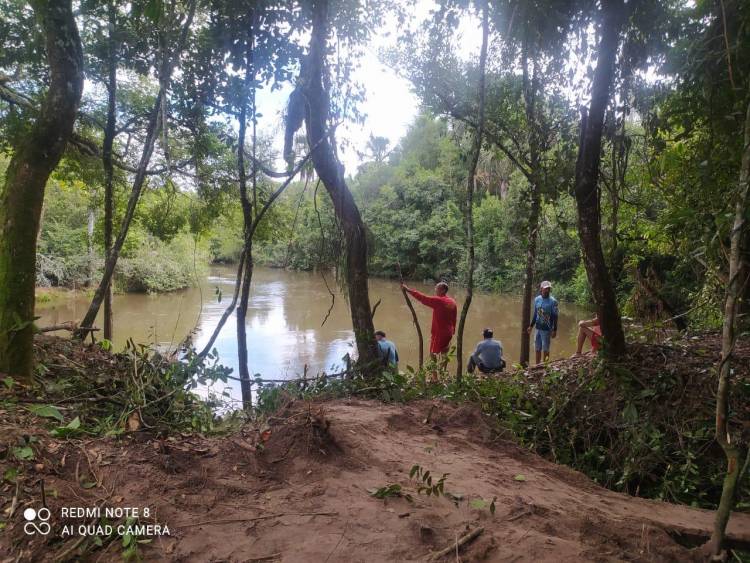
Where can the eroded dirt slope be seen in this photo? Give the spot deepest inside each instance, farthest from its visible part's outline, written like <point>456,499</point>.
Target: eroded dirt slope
<point>302,495</point>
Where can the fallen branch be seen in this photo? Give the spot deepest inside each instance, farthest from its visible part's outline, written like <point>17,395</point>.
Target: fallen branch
<point>471,536</point>
<point>265,557</point>
<point>70,326</point>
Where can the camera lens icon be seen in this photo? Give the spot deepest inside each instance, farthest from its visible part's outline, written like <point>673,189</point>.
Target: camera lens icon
<point>31,526</point>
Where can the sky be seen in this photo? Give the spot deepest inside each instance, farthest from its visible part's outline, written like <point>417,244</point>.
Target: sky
<point>390,106</point>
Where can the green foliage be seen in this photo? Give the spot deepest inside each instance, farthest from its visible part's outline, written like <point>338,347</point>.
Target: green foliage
<point>47,411</point>
<point>424,481</point>
<point>389,491</point>
<point>159,266</point>
<point>137,385</point>
<point>160,253</point>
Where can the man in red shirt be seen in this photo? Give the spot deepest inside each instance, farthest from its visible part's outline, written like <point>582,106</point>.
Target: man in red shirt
<point>444,311</point>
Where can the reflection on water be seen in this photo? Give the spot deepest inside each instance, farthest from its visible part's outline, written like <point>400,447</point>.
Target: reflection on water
<point>284,319</point>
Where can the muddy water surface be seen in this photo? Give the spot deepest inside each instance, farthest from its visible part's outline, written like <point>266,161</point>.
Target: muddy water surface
<point>284,320</point>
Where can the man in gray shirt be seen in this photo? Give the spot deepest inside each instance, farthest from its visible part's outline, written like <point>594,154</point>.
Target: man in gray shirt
<point>488,356</point>
<point>387,350</point>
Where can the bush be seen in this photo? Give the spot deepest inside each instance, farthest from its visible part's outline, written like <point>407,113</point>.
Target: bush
<point>158,266</point>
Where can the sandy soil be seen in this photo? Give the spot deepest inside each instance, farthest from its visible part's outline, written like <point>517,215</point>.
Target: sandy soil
<point>297,490</point>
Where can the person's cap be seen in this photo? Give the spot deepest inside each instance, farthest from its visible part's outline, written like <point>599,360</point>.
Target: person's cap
<point>546,284</point>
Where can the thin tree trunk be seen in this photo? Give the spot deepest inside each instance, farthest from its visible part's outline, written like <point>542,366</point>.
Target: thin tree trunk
<point>330,172</point>
<point>247,215</point>
<point>734,450</point>
<point>471,259</point>
<point>587,182</point>
<point>414,318</point>
<point>91,219</point>
<point>228,311</point>
<point>22,193</point>
<point>241,267</point>
<point>532,228</point>
<point>242,356</point>
<point>530,90</point>
<point>109,138</point>
<point>140,177</point>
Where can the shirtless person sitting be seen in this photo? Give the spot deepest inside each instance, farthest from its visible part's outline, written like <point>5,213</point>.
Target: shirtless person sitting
<point>589,329</point>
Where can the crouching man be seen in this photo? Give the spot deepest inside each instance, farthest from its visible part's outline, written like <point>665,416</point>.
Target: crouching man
<point>488,356</point>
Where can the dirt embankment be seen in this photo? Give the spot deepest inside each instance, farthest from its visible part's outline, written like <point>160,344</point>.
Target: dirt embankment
<point>297,490</point>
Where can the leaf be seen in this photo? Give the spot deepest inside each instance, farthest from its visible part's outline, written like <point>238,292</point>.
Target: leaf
<point>10,474</point>
<point>47,411</point>
<point>630,413</point>
<point>9,382</point>
<point>23,453</point>
<point>478,503</point>
<point>413,471</point>
<point>393,490</point>
<point>69,429</point>
<point>520,477</point>
<point>88,485</point>
<point>492,505</point>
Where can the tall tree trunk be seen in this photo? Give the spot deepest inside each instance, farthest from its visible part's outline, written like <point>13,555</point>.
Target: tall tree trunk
<point>242,356</point>
<point>530,90</point>
<point>734,450</point>
<point>330,172</point>
<point>109,139</point>
<point>532,228</point>
<point>165,72</point>
<point>22,193</point>
<point>247,216</point>
<point>587,182</point>
<point>470,258</point>
<point>91,220</point>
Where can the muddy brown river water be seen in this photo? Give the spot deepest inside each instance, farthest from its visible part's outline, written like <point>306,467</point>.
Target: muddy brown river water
<point>284,321</point>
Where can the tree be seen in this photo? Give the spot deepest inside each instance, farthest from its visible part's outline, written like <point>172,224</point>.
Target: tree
<point>156,119</point>
<point>110,130</point>
<point>310,101</point>
<point>736,452</point>
<point>22,193</point>
<point>377,148</point>
<point>526,115</point>
<point>587,180</point>
<point>471,181</point>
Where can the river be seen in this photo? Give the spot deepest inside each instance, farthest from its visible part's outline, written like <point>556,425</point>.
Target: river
<point>284,321</point>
